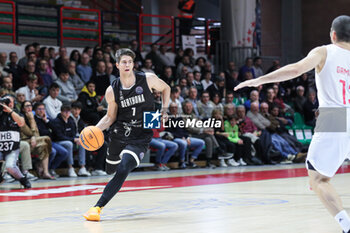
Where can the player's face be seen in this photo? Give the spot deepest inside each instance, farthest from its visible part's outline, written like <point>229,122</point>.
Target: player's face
<point>126,64</point>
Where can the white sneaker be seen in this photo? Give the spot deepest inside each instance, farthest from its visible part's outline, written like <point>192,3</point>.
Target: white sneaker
<point>98,173</point>
<point>286,161</point>
<point>8,178</point>
<point>290,157</point>
<point>241,162</point>
<point>30,176</point>
<point>232,163</point>
<point>83,172</point>
<point>71,172</point>
<point>222,163</point>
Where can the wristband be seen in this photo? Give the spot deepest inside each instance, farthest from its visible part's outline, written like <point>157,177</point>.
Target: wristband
<point>11,112</point>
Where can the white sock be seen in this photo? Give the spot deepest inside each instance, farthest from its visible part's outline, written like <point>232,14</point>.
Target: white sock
<point>344,221</point>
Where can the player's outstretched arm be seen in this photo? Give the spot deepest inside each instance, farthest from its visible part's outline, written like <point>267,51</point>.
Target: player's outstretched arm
<point>315,58</point>
<point>156,83</point>
<point>112,109</point>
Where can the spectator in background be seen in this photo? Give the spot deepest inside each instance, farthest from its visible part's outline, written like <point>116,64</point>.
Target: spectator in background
<point>14,69</point>
<point>89,51</point>
<point>183,140</point>
<point>217,103</point>
<point>205,106</point>
<point>52,103</point>
<point>248,67</point>
<point>208,68</point>
<point>157,100</point>
<point>197,82</point>
<point>310,107</point>
<point>200,63</point>
<point>134,46</point>
<point>59,62</point>
<point>4,69</point>
<point>40,145</point>
<point>206,82</point>
<point>257,67</point>
<point>97,56</point>
<point>91,111</point>
<point>30,91</point>
<point>45,126</point>
<point>24,60</point>
<point>7,85</point>
<point>67,92</point>
<point>45,75</point>
<point>30,70</point>
<point>168,76</point>
<point>156,61</point>
<point>174,98</point>
<point>299,100</point>
<point>36,48</point>
<point>20,98</point>
<point>109,71</point>
<point>193,98</point>
<point>74,77</point>
<point>230,69</point>
<point>75,56</point>
<point>259,120</point>
<point>101,79</point>
<point>65,134</point>
<point>254,96</point>
<point>178,56</point>
<point>217,87</point>
<point>84,69</point>
<point>184,87</point>
<point>164,59</point>
<point>228,98</point>
<point>165,149</point>
<point>232,80</point>
<point>148,68</point>
<point>184,63</point>
<point>190,79</point>
<point>52,57</point>
<point>229,111</point>
<point>275,66</point>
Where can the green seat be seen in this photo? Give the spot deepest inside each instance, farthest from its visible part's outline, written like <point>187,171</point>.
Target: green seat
<point>301,131</point>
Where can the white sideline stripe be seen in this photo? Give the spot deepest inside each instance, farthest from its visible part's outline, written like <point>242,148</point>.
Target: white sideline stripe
<point>133,154</point>
<point>112,162</point>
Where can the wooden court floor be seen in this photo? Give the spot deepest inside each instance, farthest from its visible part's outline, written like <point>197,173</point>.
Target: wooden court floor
<point>268,199</point>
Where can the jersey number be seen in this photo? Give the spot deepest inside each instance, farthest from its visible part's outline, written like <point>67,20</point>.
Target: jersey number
<point>6,146</point>
<point>344,90</point>
<point>133,111</point>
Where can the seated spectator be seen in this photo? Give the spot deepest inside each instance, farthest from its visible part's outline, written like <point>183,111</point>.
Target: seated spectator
<point>184,63</point>
<point>206,82</point>
<point>134,46</point>
<point>156,61</point>
<point>192,97</point>
<point>65,133</point>
<point>165,149</point>
<point>24,60</point>
<point>40,145</point>
<point>299,100</point>
<point>190,79</point>
<point>67,92</point>
<point>101,79</point>
<point>229,111</point>
<point>206,134</point>
<point>248,67</point>
<point>43,71</point>
<point>230,69</point>
<point>157,100</point>
<point>310,107</point>
<point>98,161</point>
<point>52,103</point>
<point>243,144</point>
<point>217,103</point>
<point>174,98</point>
<point>199,64</point>
<point>109,71</point>
<point>259,120</point>
<point>30,71</point>
<point>59,62</point>
<point>181,137</point>
<point>205,106</point>
<point>228,98</point>
<point>3,67</point>
<point>148,66</point>
<point>226,145</point>
<point>7,85</point>
<point>232,81</point>
<point>91,112</point>
<point>217,87</point>
<point>184,87</point>
<point>197,82</point>
<point>168,76</point>
<point>14,69</point>
<point>20,98</point>
<point>165,60</point>
<point>74,77</point>
<point>45,127</point>
<point>257,67</point>
<point>30,91</point>
<point>75,56</point>
<point>84,69</point>
<point>254,96</point>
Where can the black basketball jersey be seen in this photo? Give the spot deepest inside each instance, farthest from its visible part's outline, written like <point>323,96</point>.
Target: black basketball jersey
<point>132,102</point>
<point>9,133</point>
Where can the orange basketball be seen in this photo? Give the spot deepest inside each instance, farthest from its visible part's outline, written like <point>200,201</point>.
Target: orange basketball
<point>91,138</point>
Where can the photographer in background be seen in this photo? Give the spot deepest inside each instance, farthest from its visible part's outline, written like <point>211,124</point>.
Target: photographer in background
<point>10,123</point>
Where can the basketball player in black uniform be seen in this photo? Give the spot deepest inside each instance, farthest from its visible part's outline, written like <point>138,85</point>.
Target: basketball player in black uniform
<point>128,97</point>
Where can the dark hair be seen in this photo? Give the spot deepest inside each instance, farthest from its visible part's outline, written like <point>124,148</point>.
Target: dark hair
<point>35,44</point>
<point>256,58</point>
<point>86,49</point>
<point>124,52</point>
<point>24,102</point>
<point>77,104</point>
<point>63,71</point>
<point>30,53</point>
<point>28,46</point>
<point>37,104</point>
<point>65,107</point>
<point>229,93</point>
<point>341,26</point>
<point>205,92</point>
<point>72,54</point>
<point>54,86</point>
<point>174,90</point>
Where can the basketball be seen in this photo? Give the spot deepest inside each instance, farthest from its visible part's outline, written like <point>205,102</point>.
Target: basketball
<point>91,138</point>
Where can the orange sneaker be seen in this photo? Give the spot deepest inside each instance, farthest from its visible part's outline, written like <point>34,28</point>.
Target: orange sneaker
<point>93,214</point>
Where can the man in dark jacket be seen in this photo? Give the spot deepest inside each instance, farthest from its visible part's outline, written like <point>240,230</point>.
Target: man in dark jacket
<point>66,134</point>
<point>91,111</point>
<point>45,126</point>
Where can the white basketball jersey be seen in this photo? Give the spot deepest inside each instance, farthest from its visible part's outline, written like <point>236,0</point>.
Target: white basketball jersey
<point>333,82</point>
